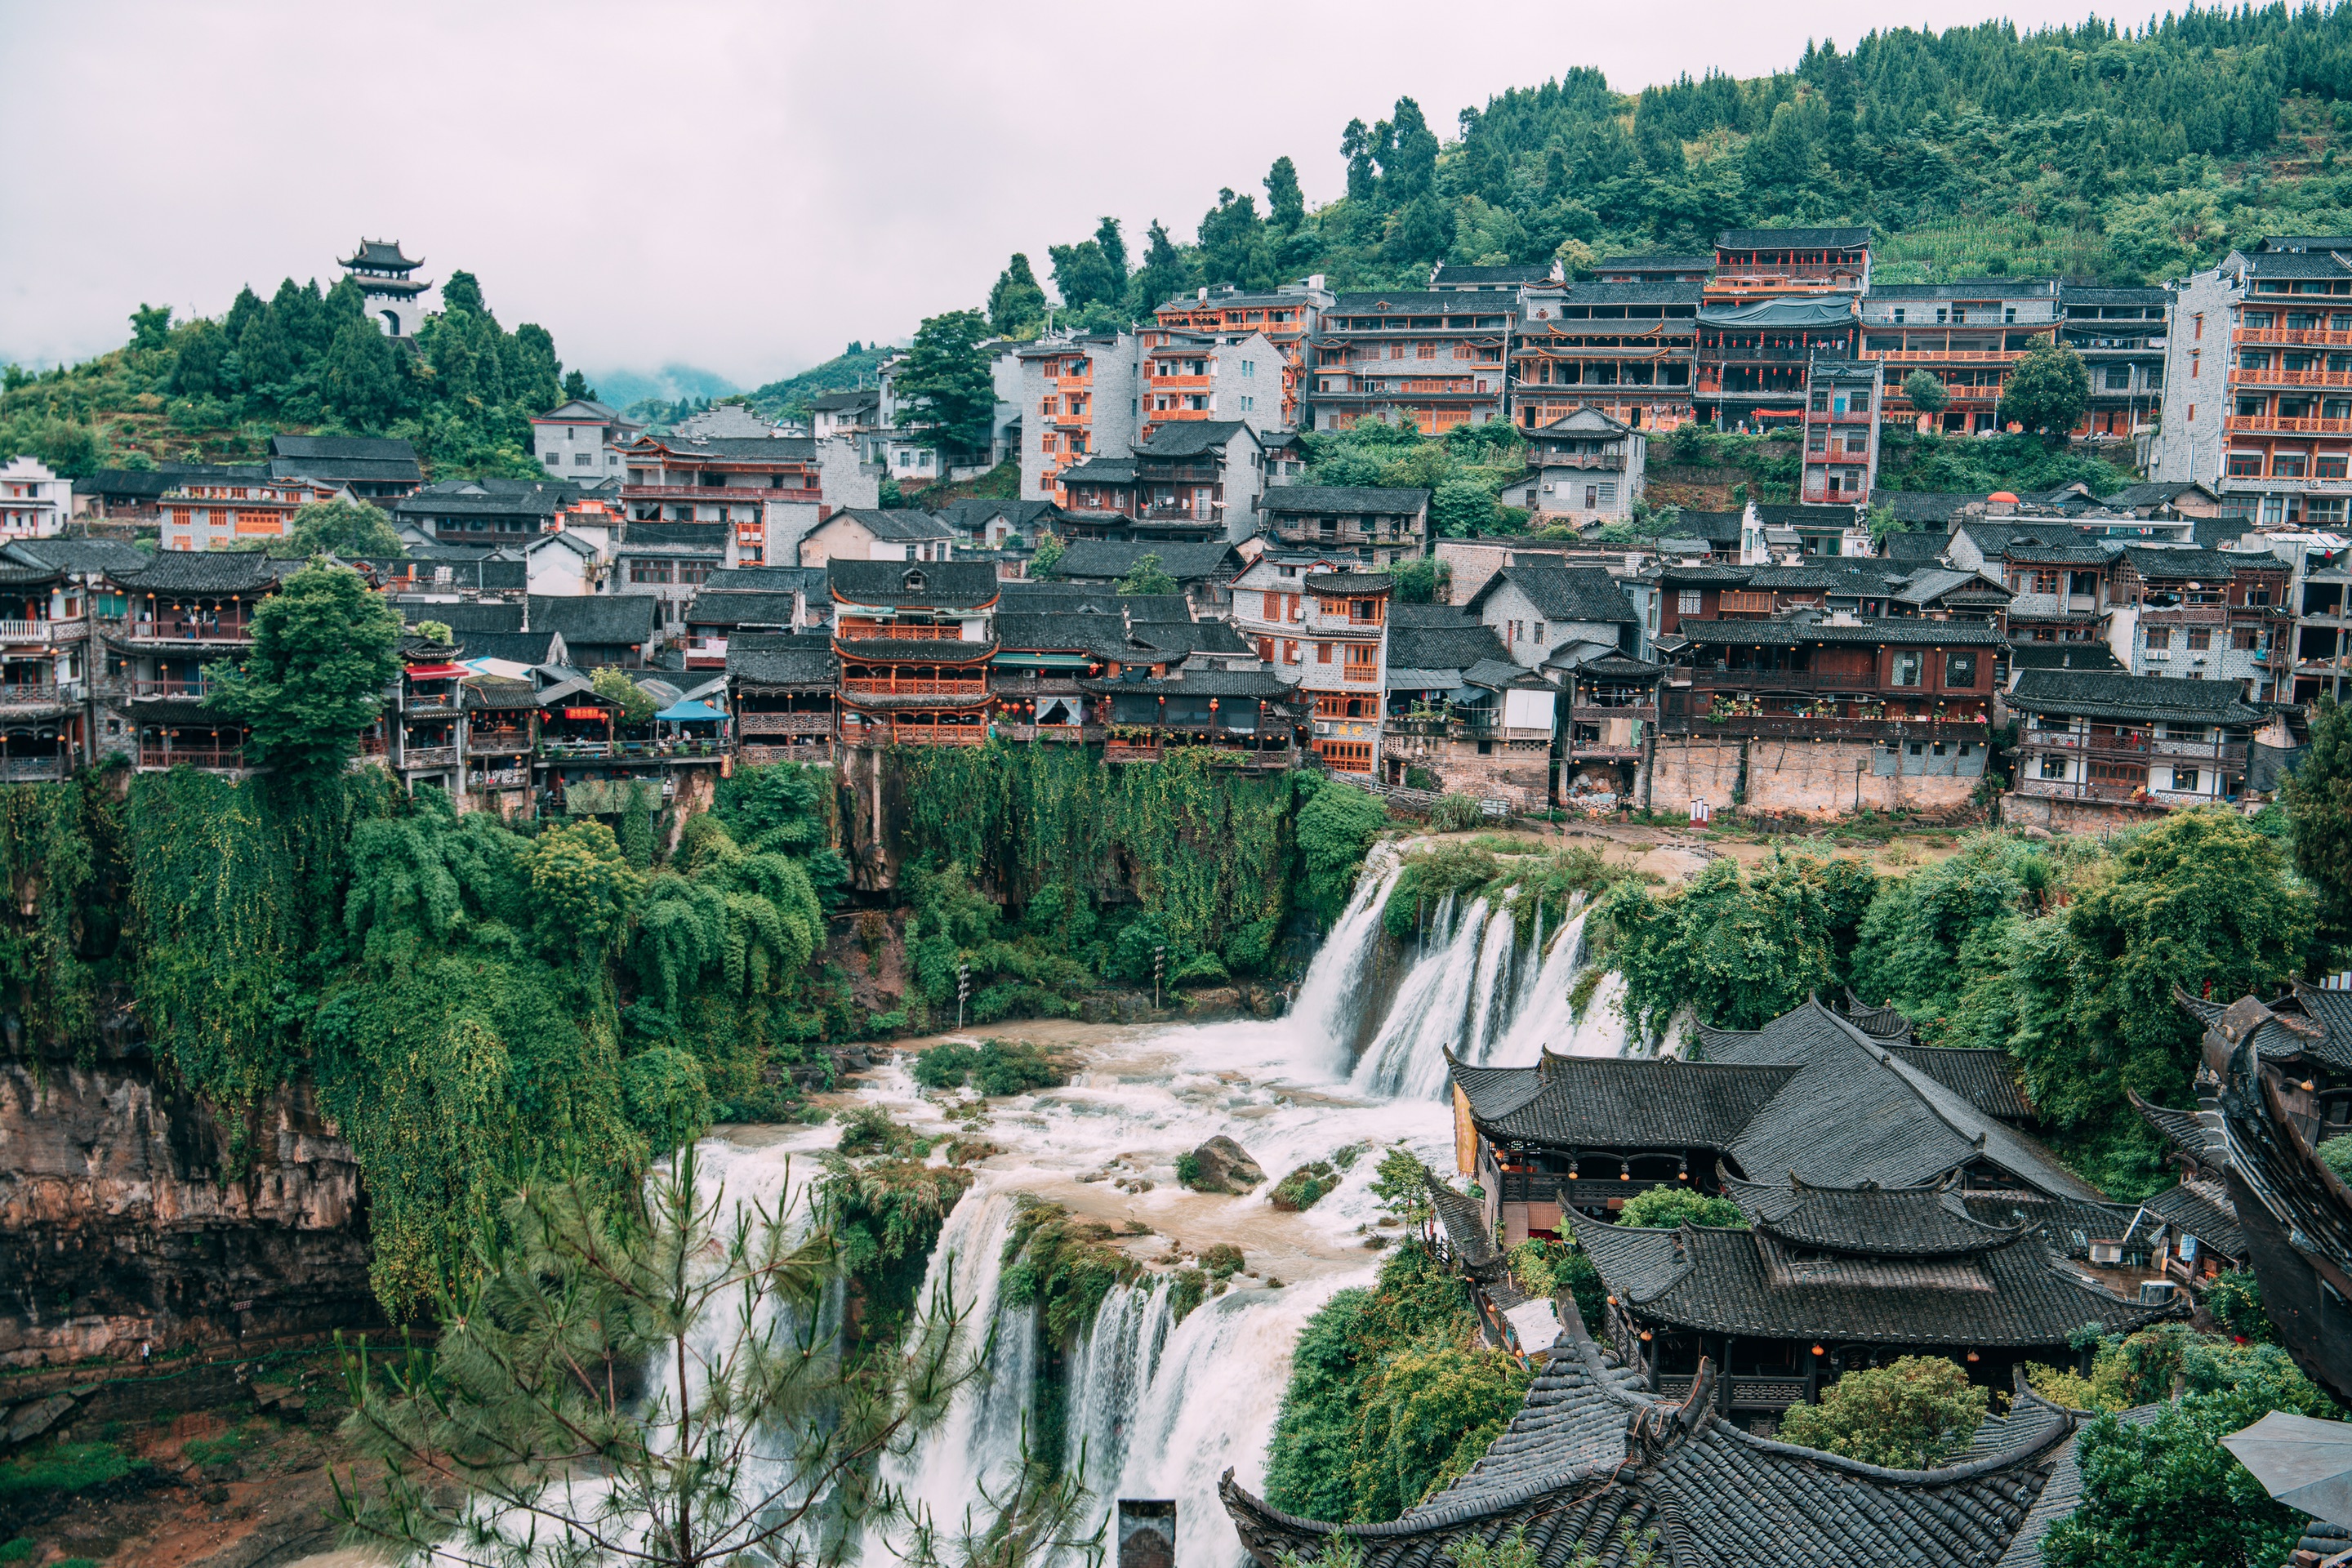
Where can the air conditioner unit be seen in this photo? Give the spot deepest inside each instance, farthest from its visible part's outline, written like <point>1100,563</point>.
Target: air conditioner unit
<point>2156,1292</point>
<point>2158,655</point>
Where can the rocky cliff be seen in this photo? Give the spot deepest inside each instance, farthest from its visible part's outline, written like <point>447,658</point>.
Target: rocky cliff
<point>132,1211</point>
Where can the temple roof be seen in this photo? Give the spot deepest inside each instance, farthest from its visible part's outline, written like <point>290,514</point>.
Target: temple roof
<point>2306,1022</point>
<point>1907,1222</point>
<point>943,585</point>
<point>1985,1076</point>
<point>1857,1112</point>
<point>1750,1283</point>
<point>1878,1023</point>
<point>2201,1209</point>
<point>383,254</point>
<point>1590,1456</point>
<point>2271,1164</point>
<point>1618,1101</point>
<point>2194,1134</point>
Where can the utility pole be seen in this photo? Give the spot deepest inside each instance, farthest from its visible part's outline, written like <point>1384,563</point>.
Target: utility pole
<point>1158,971</point>
<point>963,990</point>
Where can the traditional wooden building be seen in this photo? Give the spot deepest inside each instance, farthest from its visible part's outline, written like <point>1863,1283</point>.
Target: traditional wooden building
<point>45,665</point>
<point>1826,1279</point>
<point>914,642</point>
<point>1286,318</point>
<point>2095,748</point>
<point>1599,1467</point>
<point>158,625</point>
<point>1246,716</point>
<point>1967,335</point>
<point>783,690</point>
<point>1378,525</point>
<point>1627,349</point>
<point>1434,359</point>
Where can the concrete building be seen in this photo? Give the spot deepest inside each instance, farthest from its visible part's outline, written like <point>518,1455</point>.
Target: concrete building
<point>33,501</point>
<point>1080,397</point>
<point>1208,376</point>
<point>1378,526</point>
<point>2122,335</point>
<point>2098,748</point>
<point>1553,618</point>
<point>1434,358</point>
<point>1966,333</point>
<point>583,441</point>
<point>1626,349</point>
<point>1586,468</point>
<point>770,490</point>
<point>216,514</point>
<point>1461,717</point>
<point>1285,317</point>
<point>1209,473</point>
<point>865,533</point>
<point>2258,376</point>
<point>2204,614</point>
<point>1843,404</point>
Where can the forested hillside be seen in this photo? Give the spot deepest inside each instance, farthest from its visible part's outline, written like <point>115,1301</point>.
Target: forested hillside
<point>2093,152</point>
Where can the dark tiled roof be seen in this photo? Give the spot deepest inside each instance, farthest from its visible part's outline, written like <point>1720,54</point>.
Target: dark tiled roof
<point>343,457</point>
<point>2096,655</point>
<point>2154,560</point>
<point>736,609</point>
<point>2194,1134</point>
<point>967,514</point>
<point>1618,1101</point>
<point>1188,637</point>
<point>480,691</point>
<point>596,619</point>
<point>942,584</point>
<point>2153,493</point>
<point>711,537</point>
<point>1994,534</point>
<point>515,647</point>
<point>1792,238</point>
<point>1970,289</point>
<point>1526,272</point>
<point>2298,264</point>
<point>1986,1078</point>
<point>205,572</point>
<point>1902,1222</point>
<point>1292,499</point>
<point>79,554</point>
<point>1245,683</point>
<point>1418,303</point>
<point>1098,637</point>
<point>1794,634</point>
<point>2201,1209</point>
<point>2099,694</point>
<point>760,661</point>
<point>1564,593</point>
<point>1592,1457</point>
<point>1664,293</point>
<point>1456,647</point>
<point>809,580</point>
<point>1919,547</point>
<point>1100,471</point>
<point>2061,1495</point>
<point>1402,615</point>
<point>1155,608</point>
<point>1105,560</point>
<point>735,449</point>
<point>2087,553</point>
<point>1741,1282</point>
<point>1855,1112</point>
<point>1879,1022</point>
<point>902,525</point>
<point>1714,527</point>
<point>1934,508</point>
<point>1191,438</point>
<point>1344,583</point>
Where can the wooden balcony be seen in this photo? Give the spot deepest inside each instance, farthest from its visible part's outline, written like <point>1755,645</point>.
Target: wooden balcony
<point>785,724</point>
<point>936,735</point>
<point>186,628</point>
<point>1946,356</point>
<point>46,634</point>
<point>2185,616</point>
<point>750,494</point>
<point>498,742</point>
<point>1790,726</point>
<point>2291,337</point>
<point>427,757</point>
<point>2275,424</point>
<point>854,630</point>
<point>1584,713</point>
<point>38,693</point>
<point>2240,376</point>
<point>35,770</point>
<point>211,759</point>
<point>866,686</point>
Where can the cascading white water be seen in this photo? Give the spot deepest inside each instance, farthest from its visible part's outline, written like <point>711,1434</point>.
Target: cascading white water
<point>1490,992</point>
<point>1330,996</point>
<point>1545,1017</point>
<point>1407,1058</point>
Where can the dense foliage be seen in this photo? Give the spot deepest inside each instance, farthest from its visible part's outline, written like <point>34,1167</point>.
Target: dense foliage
<point>1668,1208</point>
<point>1740,949</point>
<point>1906,1416</point>
<point>463,388</point>
<point>2318,800</point>
<point>1388,1399</point>
<point>322,655</point>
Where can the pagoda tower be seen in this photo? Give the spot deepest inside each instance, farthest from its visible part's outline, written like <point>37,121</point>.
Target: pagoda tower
<point>382,274</point>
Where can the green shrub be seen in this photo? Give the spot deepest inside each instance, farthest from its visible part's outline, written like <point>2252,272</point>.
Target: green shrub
<point>1418,777</point>
<point>1064,1265</point>
<point>1188,1169</point>
<point>1200,969</point>
<point>1305,1186</point>
<point>1663,1208</point>
<point>1547,1267</point>
<point>18,1550</point>
<point>1187,1288</point>
<point>995,1067</point>
<point>2337,1155</point>
<point>1906,1417</point>
<point>1223,1260</point>
<point>65,1467</point>
<point>1457,813</point>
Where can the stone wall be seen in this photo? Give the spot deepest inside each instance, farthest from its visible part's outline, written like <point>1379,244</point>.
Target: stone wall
<point>126,1217</point>
<point>1518,773</point>
<point>2073,815</point>
<point>1811,778</point>
<point>1700,767</point>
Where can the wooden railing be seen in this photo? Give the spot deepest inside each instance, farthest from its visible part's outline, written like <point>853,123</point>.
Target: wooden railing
<point>187,628</point>
<point>1766,1393</point>
<point>1787,726</point>
<point>2291,336</point>
<point>27,694</point>
<point>23,768</point>
<point>48,633</point>
<point>2241,376</point>
<point>216,758</point>
<point>428,756</point>
<point>785,724</point>
<point>896,631</point>
<point>2275,424</point>
<point>1947,356</point>
<point>496,742</point>
<point>938,735</point>
<point>866,686</point>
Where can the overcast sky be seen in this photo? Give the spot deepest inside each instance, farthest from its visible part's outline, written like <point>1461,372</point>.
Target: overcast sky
<point>740,186</point>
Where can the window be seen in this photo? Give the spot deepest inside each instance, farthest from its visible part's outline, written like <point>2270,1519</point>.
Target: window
<point>2118,378</point>
<point>1906,669</point>
<point>2159,636</point>
<point>1322,653</point>
<point>2245,639</point>
<point>2053,767</point>
<point>1539,633</point>
<point>554,459</point>
<point>1686,603</point>
<point>650,571</point>
<point>1959,669</point>
<point>1290,651</point>
<point>2184,778</point>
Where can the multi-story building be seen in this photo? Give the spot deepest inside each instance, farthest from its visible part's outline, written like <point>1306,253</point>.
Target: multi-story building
<point>1460,714</point>
<point>1285,318</point>
<point>2258,372</point>
<point>33,501</point>
<point>1080,397</point>
<point>583,441</point>
<point>2058,591</point>
<point>1322,627</point>
<point>1204,472</point>
<point>1843,400</point>
<point>1965,335</point>
<point>2205,615</point>
<point>914,639</point>
<point>2096,745</point>
<point>158,625</point>
<point>2320,594</point>
<point>1825,716</point>
<point>2121,334</point>
<point>1656,267</point>
<point>1627,349</point>
<point>1780,298</point>
<point>1379,526</point>
<point>487,511</point>
<point>1585,468</point>
<point>1434,359</point>
<point>1551,618</point>
<point>872,533</point>
<point>781,690</point>
<point>669,562</point>
<point>373,468</point>
<point>45,656</point>
<point>770,492</point>
<point>1235,377</point>
<point>216,514</point>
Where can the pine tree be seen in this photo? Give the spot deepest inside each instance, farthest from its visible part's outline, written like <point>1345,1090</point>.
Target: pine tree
<point>945,387</point>
<point>1286,203</point>
<point>358,380</point>
<point>1016,306</point>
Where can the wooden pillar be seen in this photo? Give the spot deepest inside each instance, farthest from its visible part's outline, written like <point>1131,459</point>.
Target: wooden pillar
<point>1723,1380</point>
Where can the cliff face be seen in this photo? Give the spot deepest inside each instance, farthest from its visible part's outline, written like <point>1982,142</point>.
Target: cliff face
<point>125,1216</point>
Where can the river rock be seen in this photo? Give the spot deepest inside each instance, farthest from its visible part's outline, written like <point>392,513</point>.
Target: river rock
<point>30,1421</point>
<point>1225,1166</point>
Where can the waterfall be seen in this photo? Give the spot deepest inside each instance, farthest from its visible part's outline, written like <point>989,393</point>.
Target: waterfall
<point>1545,1017</point>
<point>1601,1029</point>
<point>979,1440</point>
<point>1331,995</point>
<point>1490,991</point>
<point>1406,1059</point>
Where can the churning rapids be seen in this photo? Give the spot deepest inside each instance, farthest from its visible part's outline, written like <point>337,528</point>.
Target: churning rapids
<point>1160,1408</point>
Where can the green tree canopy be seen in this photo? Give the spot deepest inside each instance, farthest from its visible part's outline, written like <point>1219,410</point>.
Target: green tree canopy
<point>2047,390</point>
<point>1016,306</point>
<point>2318,798</point>
<point>322,655</point>
<point>1148,577</point>
<point>637,703</point>
<point>1905,1416</point>
<point>945,389</point>
<point>1926,391</point>
<point>1666,1209</point>
<point>343,528</point>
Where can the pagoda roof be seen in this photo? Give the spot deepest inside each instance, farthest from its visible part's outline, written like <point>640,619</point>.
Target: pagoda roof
<point>1878,1023</point>
<point>384,254</point>
<point>2196,1135</point>
<point>2271,1162</point>
<point>1750,1283</point>
<point>1985,1076</point>
<point>2306,1022</point>
<point>2201,1207</point>
<point>1618,1101</point>
<point>1591,1459</point>
<point>913,650</point>
<point>1880,1222</point>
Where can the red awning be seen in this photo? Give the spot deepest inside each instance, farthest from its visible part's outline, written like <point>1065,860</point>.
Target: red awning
<point>437,672</point>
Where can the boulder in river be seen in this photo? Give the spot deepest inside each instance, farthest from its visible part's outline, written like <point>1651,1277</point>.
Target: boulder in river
<point>1219,1165</point>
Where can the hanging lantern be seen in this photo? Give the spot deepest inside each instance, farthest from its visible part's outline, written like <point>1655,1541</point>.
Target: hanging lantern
<point>1817,1350</point>
<point>1972,1355</point>
<point>1645,1336</point>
